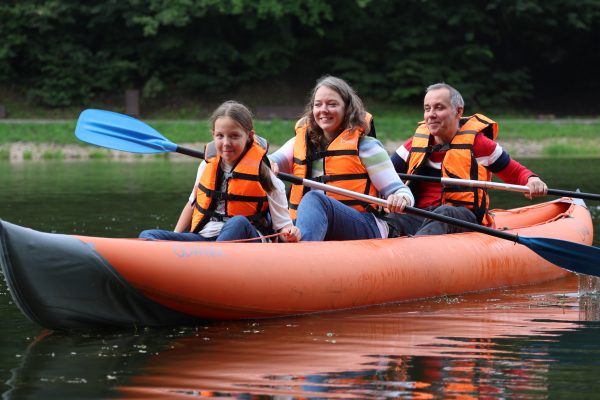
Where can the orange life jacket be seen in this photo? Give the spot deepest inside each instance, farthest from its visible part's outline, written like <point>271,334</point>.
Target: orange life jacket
<point>244,196</point>
<point>341,168</point>
<point>459,162</point>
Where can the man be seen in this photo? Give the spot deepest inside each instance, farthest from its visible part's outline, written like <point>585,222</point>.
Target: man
<point>448,145</point>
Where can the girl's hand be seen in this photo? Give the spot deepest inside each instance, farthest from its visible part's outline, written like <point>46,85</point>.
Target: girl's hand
<point>291,234</point>
<point>397,202</point>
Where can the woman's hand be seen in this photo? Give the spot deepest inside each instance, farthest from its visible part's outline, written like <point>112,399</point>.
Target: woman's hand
<point>274,167</point>
<point>397,202</point>
<point>537,187</point>
<point>290,234</point>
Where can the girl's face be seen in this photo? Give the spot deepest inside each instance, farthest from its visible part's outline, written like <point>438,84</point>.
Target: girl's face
<point>329,111</point>
<point>230,139</point>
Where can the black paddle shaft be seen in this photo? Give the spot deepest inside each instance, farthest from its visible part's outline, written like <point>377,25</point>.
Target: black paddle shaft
<point>409,210</point>
<point>578,195</point>
<point>189,152</point>
<point>459,222</point>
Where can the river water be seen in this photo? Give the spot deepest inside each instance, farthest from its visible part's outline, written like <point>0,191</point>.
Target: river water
<point>538,341</point>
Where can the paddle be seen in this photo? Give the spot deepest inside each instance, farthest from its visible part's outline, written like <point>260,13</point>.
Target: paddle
<point>571,256</point>
<point>496,185</point>
<point>124,133</point>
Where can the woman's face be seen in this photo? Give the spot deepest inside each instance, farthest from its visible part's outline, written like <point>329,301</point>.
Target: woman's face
<point>230,139</point>
<point>329,111</point>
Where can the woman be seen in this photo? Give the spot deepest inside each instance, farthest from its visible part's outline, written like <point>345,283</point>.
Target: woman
<point>332,146</point>
<point>236,195</point>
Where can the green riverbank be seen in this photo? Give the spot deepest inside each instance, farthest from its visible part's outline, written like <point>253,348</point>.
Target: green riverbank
<point>31,139</point>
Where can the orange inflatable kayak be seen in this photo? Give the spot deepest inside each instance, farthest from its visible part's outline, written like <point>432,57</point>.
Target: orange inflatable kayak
<point>64,281</point>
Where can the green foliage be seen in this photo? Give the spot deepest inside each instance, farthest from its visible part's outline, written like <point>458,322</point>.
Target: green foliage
<point>33,132</point>
<point>98,155</point>
<point>53,155</point>
<point>566,150</point>
<point>499,53</point>
<point>524,128</point>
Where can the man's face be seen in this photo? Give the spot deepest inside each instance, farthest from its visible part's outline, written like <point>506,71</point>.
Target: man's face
<point>440,117</point>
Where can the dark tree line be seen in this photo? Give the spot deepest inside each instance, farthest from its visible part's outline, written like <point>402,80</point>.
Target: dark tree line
<point>497,52</point>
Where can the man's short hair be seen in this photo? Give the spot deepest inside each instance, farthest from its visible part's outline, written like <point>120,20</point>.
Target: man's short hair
<point>456,99</point>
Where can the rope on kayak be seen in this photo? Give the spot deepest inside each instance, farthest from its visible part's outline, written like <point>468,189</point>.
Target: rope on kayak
<point>254,238</point>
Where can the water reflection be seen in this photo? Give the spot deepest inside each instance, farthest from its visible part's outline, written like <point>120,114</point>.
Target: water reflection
<point>502,343</point>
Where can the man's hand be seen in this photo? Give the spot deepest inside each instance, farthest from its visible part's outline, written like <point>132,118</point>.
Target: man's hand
<point>537,187</point>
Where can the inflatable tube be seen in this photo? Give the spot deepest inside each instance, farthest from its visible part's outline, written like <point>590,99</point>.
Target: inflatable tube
<point>63,282</point>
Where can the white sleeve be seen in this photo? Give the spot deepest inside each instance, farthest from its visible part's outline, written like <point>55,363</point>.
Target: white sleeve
<point>201,169</point>
<point>284,156</point>
<point>278,205</point>
<point>402,153</point>
<point>381,170</point>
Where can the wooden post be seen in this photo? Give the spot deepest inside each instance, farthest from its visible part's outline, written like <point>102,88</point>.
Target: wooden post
<point>2,111</point>
<point>132,102</point>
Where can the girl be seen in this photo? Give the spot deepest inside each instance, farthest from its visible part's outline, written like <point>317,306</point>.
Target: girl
<point>236,195</point>
<point>332,146</point>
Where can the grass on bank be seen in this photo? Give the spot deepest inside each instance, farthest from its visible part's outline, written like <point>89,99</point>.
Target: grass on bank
<point>390,127</point>
<point>564,150</point>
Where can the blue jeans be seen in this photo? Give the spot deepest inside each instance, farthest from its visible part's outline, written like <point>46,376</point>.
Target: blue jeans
<point>235,228</point>
<point>321,217</point>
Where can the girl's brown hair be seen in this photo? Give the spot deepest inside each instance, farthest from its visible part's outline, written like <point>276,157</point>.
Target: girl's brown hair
<point>354,116</point>
<point>236,111</point>
<point>243,117</point>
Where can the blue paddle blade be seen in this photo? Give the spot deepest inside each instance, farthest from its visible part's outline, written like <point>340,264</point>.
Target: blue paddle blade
<point>120,132</point>
<point>575,257</point>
